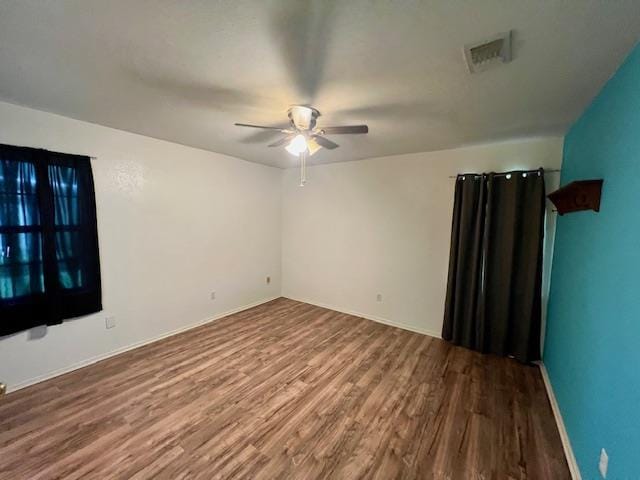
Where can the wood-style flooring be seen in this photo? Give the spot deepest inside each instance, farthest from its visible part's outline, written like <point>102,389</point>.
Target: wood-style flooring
<point>286,390</point>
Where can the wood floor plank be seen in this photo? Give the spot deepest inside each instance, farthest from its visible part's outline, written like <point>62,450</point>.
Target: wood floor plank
<point>286,390</point>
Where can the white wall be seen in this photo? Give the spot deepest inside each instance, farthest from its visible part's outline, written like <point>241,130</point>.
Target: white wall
<point>174,223</point>
<point>383,225</point>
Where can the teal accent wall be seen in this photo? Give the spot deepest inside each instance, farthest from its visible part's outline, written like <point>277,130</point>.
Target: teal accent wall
<point>592,348</point>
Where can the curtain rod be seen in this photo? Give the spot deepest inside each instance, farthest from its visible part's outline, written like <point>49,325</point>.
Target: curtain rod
<point>506,173</point>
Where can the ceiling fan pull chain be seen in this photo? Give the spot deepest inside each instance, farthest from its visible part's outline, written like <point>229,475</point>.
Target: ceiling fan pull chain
<point>303,168</point>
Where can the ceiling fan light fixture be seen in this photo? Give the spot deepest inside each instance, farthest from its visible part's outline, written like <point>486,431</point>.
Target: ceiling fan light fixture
<point>307,139</point>
<point>298,145</point>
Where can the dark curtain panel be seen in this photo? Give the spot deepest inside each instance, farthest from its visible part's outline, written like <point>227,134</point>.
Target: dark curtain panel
<point>493,301</point>
<point>49,261</point>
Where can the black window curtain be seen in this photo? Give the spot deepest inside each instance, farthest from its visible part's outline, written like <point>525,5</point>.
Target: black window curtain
<point>493,301</point>
<point>49,262</point>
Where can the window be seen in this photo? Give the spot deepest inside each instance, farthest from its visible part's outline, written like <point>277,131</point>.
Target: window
<point>49,264</point>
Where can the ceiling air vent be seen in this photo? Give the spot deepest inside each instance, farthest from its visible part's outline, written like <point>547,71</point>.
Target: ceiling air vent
<point>481,56</point>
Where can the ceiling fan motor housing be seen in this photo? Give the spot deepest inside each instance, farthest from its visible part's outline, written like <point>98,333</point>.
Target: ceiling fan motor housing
<point>303,117</point>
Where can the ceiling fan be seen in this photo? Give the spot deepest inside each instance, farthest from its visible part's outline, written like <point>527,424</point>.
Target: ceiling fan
<point>303,137</point>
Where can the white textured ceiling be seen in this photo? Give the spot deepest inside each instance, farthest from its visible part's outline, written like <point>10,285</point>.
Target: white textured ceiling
<point>185,71</point>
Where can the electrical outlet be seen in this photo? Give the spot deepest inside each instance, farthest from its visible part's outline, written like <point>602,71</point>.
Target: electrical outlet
<point>110,322</point>
<point>268,280</point>
<point>603,466</point>
<point>213,295</point>
<point>379,297</point>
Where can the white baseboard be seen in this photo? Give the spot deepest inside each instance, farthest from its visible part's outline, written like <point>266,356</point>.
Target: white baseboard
<point>384,321</point>
<point>564,436</point>
<point>97,358</point>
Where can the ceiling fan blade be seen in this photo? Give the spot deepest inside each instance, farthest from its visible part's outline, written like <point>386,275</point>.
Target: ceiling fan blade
<point>345,129</point>
<point>325,142</point>
<point>279,143</point>
<point>313,146</point>
<point>280,129</point>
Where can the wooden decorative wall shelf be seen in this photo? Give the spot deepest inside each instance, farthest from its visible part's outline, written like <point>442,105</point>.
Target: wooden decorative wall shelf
<point>577,196</point>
